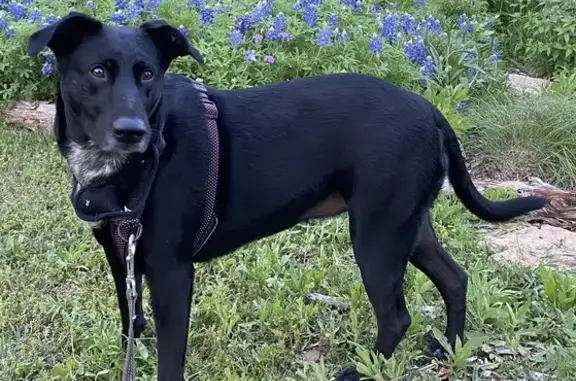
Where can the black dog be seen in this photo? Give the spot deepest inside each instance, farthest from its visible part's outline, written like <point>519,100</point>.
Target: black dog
<point>307,148</point>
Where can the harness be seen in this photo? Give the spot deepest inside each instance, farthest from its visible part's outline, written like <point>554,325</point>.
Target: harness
<point>98,201</point>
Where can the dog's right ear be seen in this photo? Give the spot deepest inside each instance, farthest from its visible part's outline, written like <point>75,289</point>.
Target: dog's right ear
<point>63,36</point>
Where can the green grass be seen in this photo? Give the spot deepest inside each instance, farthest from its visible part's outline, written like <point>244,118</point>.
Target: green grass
<point>526,136</point>
<point>251,318</point>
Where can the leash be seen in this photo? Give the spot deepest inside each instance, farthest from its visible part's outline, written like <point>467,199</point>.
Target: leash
<point>99,202</point>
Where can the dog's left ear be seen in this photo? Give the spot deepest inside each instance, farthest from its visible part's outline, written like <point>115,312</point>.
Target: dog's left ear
<point>170,41</point>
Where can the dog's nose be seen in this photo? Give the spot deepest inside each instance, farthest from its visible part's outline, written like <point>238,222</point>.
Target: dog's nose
<point>129,130</point>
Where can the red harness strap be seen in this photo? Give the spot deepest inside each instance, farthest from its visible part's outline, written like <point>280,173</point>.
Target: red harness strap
<point>210,219</point>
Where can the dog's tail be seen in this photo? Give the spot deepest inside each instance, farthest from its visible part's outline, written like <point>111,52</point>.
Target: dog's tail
<point>473,200</point>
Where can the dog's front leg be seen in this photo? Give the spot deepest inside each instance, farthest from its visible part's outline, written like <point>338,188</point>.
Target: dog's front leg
<point>171,292</point>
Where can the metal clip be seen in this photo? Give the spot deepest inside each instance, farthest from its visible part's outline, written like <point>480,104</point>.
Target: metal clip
<point>130,279</point>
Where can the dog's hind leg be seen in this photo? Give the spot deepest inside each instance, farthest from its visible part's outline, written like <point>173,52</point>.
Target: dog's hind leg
<point>382,247</point>
<point>449,278</point>
<point>171,293</point>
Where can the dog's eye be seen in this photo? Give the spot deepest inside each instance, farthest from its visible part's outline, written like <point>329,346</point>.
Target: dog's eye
<point>147,75</point>
<point>98,72</point>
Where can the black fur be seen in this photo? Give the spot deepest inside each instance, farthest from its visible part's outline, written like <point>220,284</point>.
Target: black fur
<point>285,148</point>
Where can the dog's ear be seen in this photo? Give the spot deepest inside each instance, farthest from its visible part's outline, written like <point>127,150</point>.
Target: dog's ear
<point>63,36</point>
<point>170,41</point>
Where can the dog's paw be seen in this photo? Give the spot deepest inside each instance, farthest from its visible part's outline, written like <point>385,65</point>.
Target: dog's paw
<point>435,349</point>
<point>350,374</point>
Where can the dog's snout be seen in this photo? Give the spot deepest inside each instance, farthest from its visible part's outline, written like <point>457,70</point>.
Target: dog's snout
<point>129,130</point>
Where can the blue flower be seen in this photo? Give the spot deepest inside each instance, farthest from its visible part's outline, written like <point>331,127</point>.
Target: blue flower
<point>27,1</point>
<point>51,19</point>
<point>434,24</point>
<point>35,15</point>
<point>133,11</point>
<point>197,3</point>
<point>471,54</point>
<point>354,4</point>
<point>420,3</point>
<point>488,23</point>
<point>118,17</point>
<point>121,4</point>
<point>261,11</point>
<point>333,19</point>
<point>269,59</point>
<point>17,10</point>
<point>285,36</point>
<point>310,16</point>
<point>183,30</point>
<point>46,69</point>
<point>3,20</point>
<point>493,58</point>
<point>427,70</point>
<point>460,106</point>
<point>344,36</point>
<point>10,32</point>
<point>154,4</point>
<point>389,27</point>
<point>207,15</point>
<point>280,22</point>
<point>236,38</point>
<point>415,51</point>
<point>407,23</point>
<point>462,22</point>
<point>375,45</point>
<point>244,23</point>
<point>324,37</point>
<point>258,38</point>
<point>250,55</point>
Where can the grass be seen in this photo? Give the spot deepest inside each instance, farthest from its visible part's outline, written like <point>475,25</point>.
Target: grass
<point>251,318</point>
<point>519,137</point>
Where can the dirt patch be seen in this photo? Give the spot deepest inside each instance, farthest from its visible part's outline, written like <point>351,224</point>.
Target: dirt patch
<point>533,245</point>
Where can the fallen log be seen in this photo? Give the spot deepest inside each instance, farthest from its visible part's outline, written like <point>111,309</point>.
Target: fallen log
<point>33,115</point>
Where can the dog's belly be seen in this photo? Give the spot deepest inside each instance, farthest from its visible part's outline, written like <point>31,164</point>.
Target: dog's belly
<point>331,206</point>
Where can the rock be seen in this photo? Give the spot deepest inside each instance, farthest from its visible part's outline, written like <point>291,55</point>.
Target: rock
<point>527,84</point>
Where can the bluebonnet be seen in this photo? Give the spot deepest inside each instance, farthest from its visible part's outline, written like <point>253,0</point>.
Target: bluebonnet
<point>420,3</point>
<point>258,38</point>
<point>153,4</point>
<point>462,22</point>
<point>244,23</point>
<point>488,23</point>
<point>434,24</point>
<point>427,70</point>
<point>207,15</point>
<point>375,8</point>
<point>261,11</point>
<point>460,106</point>
<point>121,4</point>
<point>183,30</point>
<point>35,15</point>
<point>310,16</point>
<point>375,45</point>
<point>471,54</point>
<point>10,32</point>
<point>344,36</point>
<point>285,36</point>
<point>17,10</point>
<point>389,27</point>
<point>493,58</point>
<point>415,51</point>
<point>133,11</point>
<point>47,65</point>
<point>407,23</point>
<point>236,38</point>
<point>280,22</point>
<point>118,17</point>
<point>3,20</point>
<point>250,55</point>
<point>27,1</point>
<point>333,19</point>
<point>324,37</point>
<point>356,5</point>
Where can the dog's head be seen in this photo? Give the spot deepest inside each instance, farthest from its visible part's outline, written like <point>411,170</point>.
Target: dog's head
<point>111,78</point>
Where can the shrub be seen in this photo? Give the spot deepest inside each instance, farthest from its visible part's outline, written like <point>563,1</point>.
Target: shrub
<point>250,43</point>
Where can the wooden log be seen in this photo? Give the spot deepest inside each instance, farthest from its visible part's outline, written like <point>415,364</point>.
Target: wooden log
<point>34,115</point>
